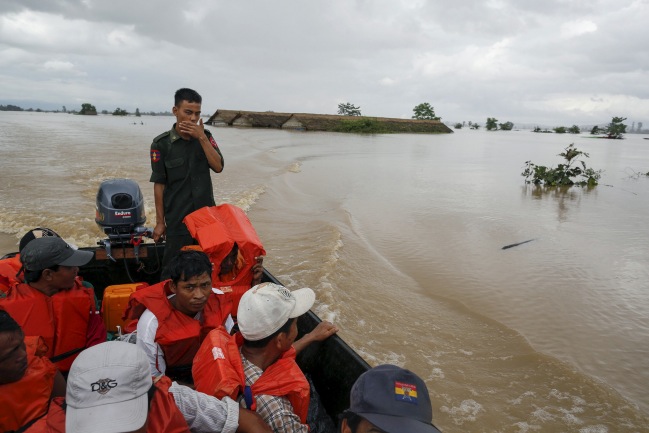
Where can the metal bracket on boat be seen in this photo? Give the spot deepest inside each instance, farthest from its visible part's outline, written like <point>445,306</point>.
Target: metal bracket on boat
<point>134,238</point>
<point>136,252</point>
<point>107,247</point>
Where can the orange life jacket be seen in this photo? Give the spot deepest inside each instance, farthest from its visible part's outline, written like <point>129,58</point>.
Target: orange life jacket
<point>218,371</point>
<point>61,319</point>
<point>8,269</point>
<point>27,399</point>
<point>216,229</point>
<point>53,422</point>
<point>164,415</point>
<point>178,335</point>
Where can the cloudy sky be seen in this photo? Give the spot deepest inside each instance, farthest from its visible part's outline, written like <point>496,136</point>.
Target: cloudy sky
<point>550,62</point>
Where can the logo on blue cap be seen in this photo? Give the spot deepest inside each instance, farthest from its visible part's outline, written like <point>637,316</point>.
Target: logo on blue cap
<point>405,392</point>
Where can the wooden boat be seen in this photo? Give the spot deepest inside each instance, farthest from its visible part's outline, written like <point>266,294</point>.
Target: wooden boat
<point>332,365</point>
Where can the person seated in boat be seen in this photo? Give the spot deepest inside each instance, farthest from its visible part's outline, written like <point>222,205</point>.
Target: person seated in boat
<point>52,304</point>
<point>227,236</point>
<point>28,380</point>
<point>228,273</point>
<point>234,262</point>
<point>388,399</point>
<point>175,315</point>
<point>111,390</point>
<point>10,267</point>
<point>258,362</point>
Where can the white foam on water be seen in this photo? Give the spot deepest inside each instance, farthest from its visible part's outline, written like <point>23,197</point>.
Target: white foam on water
<point>467,411</point>
<point>519,399</point>
<point>570,418</point>
<point>524,427</point>
<point>248,198</point>
<point>543,415</point>
<point>296,167</point>
<point>436,373</point>
<point>594,429</point>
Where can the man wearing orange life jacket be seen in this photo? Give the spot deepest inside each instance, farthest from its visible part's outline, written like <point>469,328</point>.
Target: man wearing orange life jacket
<point>110,390</point>
<point>28,380</point>
<point>175,315</point>
<point>10,267</point>
<point>259,362</point>
<point>228,237</point>
<point>51,304</point>
<point>232,273</point>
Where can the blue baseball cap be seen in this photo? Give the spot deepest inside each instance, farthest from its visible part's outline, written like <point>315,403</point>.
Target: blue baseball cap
<point>394,399</point>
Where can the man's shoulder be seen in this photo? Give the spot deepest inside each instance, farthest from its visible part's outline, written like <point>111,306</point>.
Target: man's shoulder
<point>147,325</point>
<point>162,136</point>
<point>148,319</point>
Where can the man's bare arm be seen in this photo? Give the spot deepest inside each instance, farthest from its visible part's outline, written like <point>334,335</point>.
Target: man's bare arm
<point>160,226</point>
<point>321,332</point>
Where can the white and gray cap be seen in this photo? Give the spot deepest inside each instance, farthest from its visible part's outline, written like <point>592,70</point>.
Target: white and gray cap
<point>107,389</point>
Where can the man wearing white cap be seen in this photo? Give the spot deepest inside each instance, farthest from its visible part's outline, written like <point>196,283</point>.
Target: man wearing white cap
<point>110,390</point>
<point>258,363</point>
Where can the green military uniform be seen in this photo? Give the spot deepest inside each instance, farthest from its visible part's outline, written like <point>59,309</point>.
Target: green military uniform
<point>181,165</point>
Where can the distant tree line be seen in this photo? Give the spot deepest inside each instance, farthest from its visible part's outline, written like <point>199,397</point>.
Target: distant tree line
<point>615,129</point>
<point>10,107</point>
<point>86,109</point>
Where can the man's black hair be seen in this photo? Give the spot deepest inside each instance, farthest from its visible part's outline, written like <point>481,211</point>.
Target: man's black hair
<point>188,264</point>
<point>7,323</point>
<point>188,95</point>
<point>286,328</point>
<point>33,276</point>
<point>353,420</point>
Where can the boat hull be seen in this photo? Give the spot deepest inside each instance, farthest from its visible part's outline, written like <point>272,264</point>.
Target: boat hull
<point>332,365</point>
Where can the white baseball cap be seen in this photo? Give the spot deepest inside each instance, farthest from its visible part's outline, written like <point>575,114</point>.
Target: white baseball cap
<point>267,307</point>
<point>107,389</point>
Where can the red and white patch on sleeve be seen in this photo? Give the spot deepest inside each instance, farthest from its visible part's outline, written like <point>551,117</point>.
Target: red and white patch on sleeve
<point>155,155</point>
<point>214,145</point>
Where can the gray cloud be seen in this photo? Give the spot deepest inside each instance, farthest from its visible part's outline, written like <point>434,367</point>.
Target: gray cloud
<point>561,61</point>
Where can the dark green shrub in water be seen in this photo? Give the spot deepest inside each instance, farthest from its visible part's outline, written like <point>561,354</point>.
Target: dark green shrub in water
<point>364,125</point>
<point>572,172</point>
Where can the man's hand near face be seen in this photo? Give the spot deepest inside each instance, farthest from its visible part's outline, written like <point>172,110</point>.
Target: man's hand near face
<point>196,130</point>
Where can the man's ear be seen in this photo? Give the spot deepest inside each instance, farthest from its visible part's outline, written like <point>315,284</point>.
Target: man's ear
<point>344,428</point>
<point>279,341</point>
<point>172,287</point>
<point>174,110</point>
<point>47,274</point>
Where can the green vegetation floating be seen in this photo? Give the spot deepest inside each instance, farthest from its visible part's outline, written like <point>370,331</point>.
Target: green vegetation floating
<point>572,172</point>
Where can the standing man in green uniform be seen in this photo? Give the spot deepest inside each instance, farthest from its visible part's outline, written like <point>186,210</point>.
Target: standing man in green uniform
<point>181,160</point>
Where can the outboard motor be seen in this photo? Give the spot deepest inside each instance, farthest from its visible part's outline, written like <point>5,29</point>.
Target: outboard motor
<point>120,214</point>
